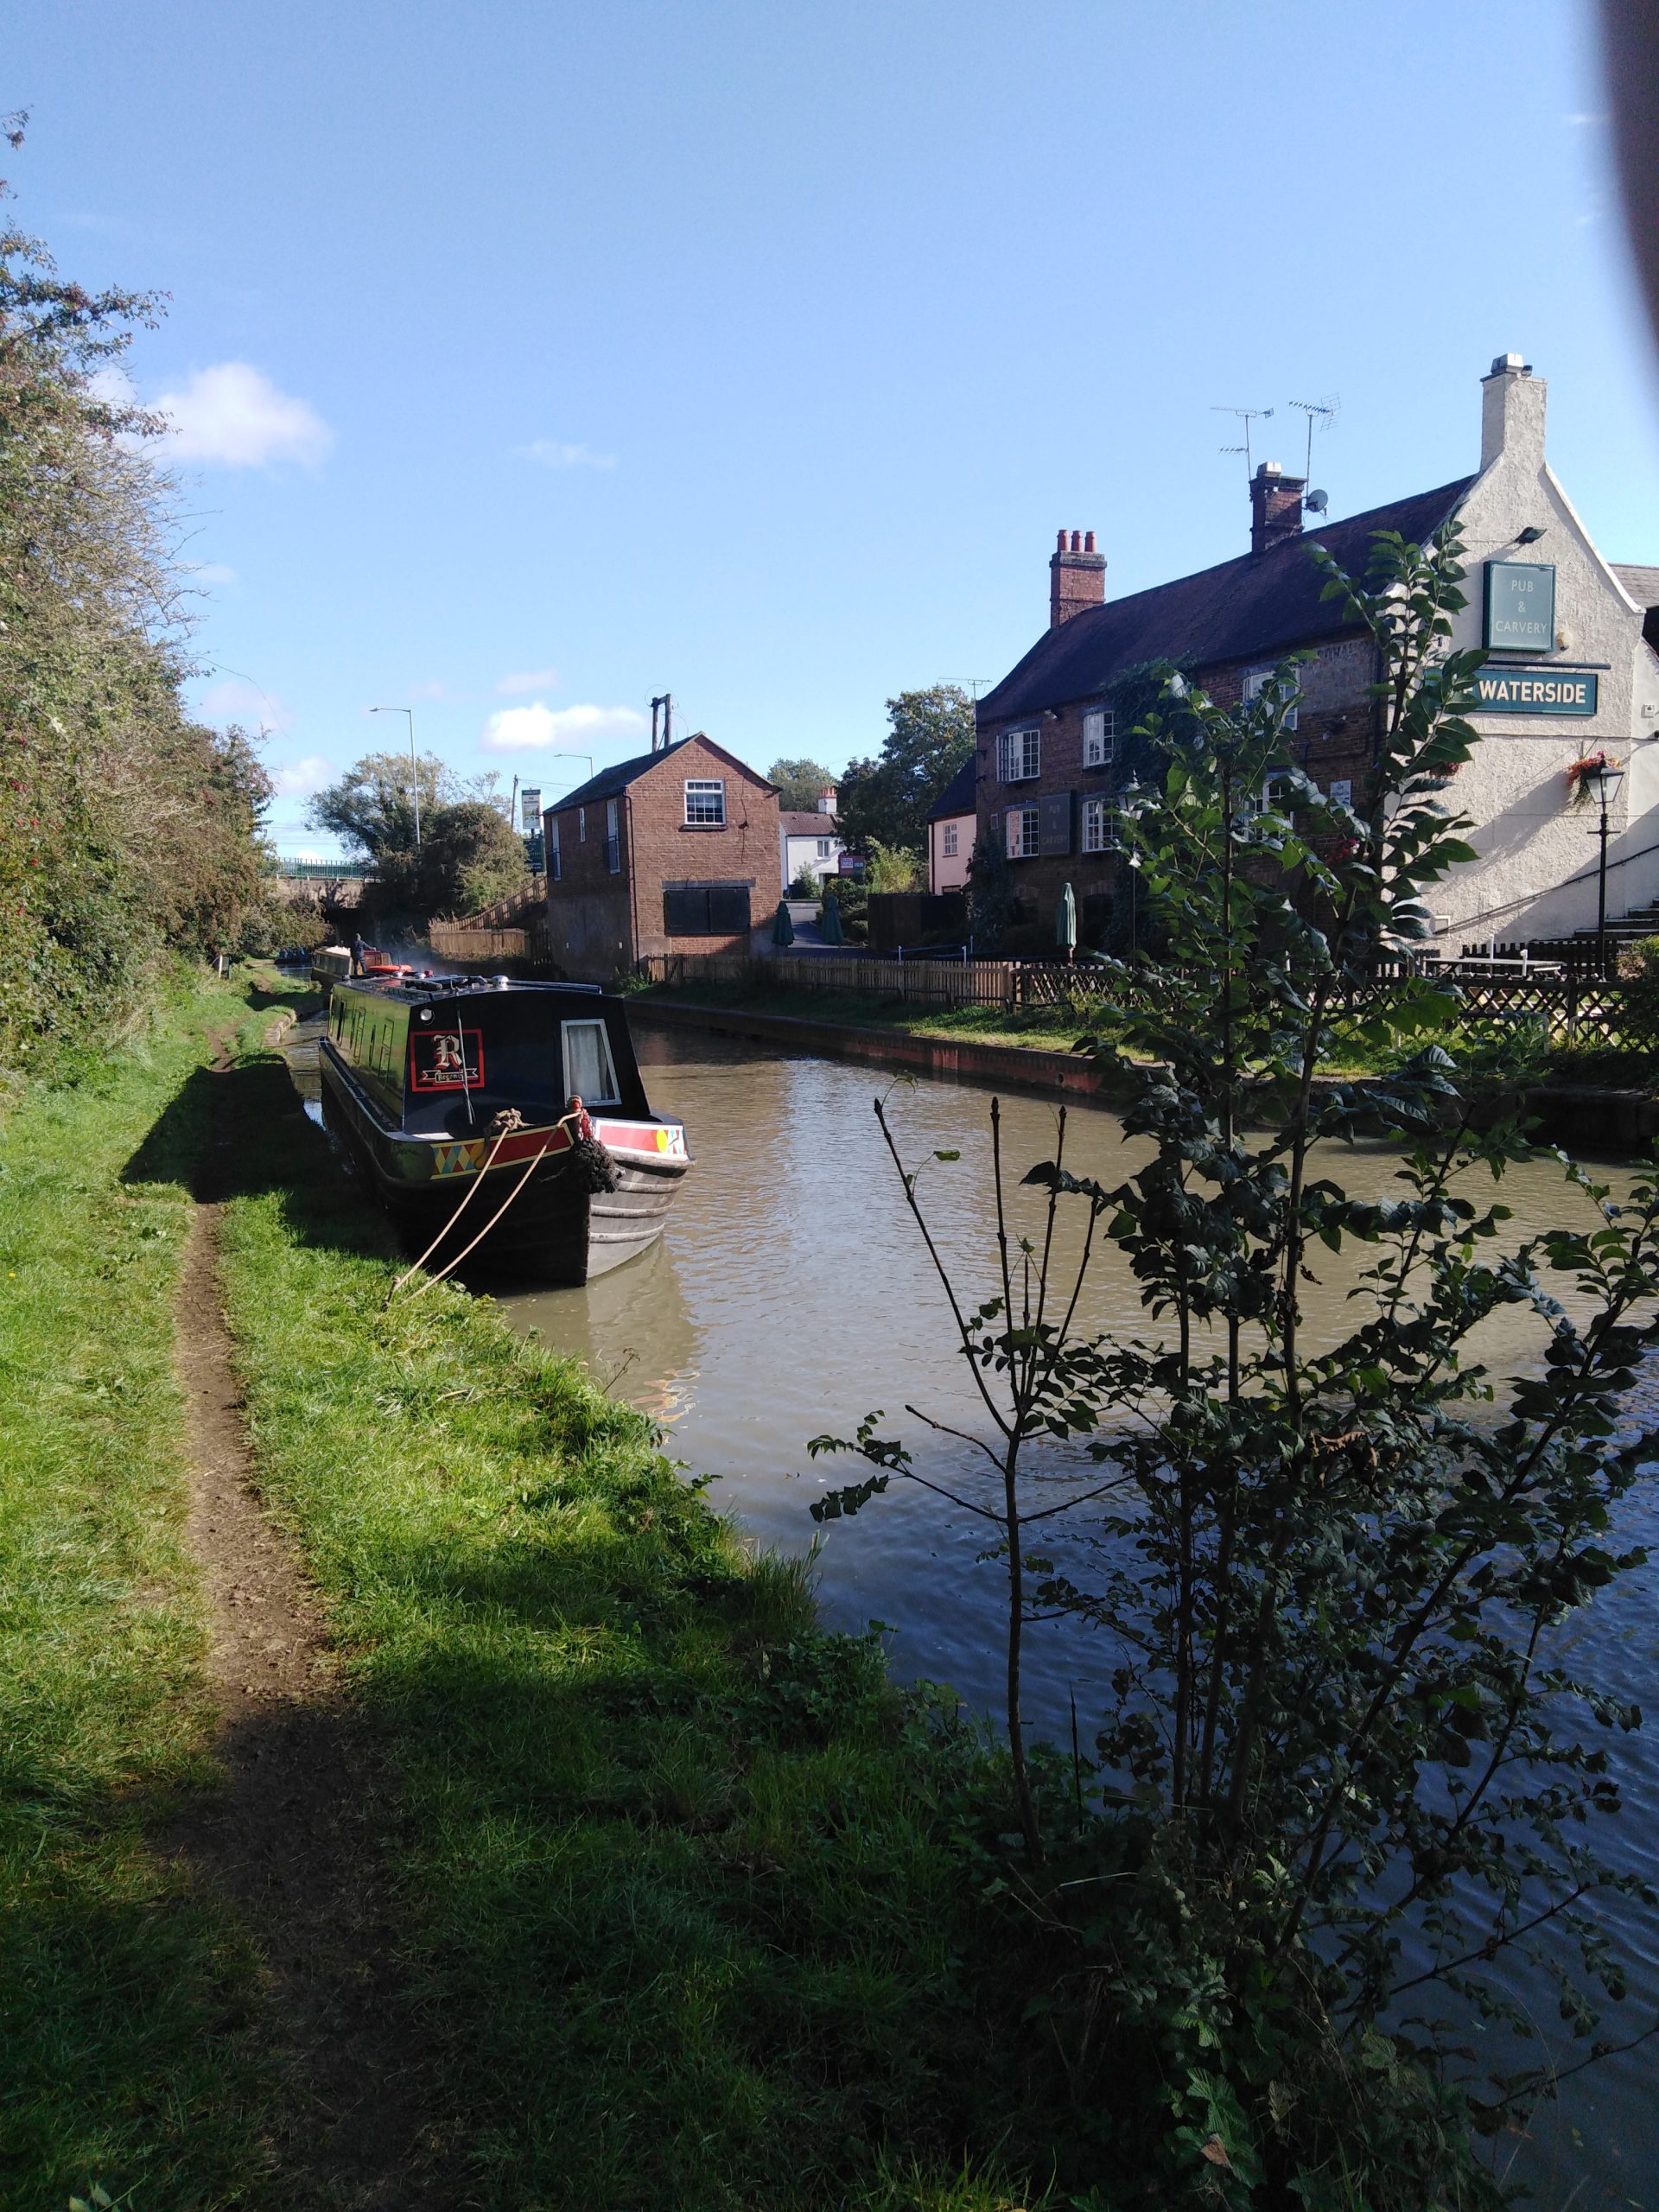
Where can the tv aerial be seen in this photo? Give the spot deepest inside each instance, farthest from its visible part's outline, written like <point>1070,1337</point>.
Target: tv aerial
<point>1322,412</point>
<point>1246,416</point>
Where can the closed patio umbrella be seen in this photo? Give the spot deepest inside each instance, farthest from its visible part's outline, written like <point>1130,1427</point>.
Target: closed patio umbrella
<point>1066,922</point>
<point>829,929</point>
<point>783,930</point>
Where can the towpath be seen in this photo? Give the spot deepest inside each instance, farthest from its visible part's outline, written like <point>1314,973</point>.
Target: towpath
<point>296,1842</point>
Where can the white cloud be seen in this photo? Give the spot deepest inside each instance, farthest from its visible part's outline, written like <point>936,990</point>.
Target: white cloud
<point>236,699</point>
<point>526,680</point>
<point>552,453</point>
<point>512,729</point>
<point>299,778</point>
<point>211,573</point>
<point>233,417</point>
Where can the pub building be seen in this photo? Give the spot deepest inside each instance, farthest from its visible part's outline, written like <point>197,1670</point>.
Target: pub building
<point>1572,671</point>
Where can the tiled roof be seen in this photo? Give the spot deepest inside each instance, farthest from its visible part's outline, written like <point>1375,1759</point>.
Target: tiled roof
<point>609,781</point>
<point>1263,603</point>
<point>957,796</point>
<point>1642,583</point>
<point>811,824</point>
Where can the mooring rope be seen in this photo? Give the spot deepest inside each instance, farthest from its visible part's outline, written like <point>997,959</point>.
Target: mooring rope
<point>508,1120</point>
<point>504,1123</point>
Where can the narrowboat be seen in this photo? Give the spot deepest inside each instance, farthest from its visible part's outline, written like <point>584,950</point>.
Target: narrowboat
<point>522,1099</point>
<point>332,963</point>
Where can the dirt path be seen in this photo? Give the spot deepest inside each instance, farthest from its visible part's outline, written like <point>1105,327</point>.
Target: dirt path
<point>294,1841</point>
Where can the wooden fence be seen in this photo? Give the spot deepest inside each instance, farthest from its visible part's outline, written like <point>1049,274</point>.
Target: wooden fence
<point>464,941</point>
<point>1576,1009</point>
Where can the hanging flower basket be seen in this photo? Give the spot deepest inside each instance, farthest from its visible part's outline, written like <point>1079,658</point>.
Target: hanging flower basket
<point>1583,773</point>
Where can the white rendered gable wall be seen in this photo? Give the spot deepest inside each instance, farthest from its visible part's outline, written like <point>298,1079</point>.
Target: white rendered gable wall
<point>1530,839</point>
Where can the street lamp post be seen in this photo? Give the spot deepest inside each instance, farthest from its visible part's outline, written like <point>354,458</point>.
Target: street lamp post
<point>414,765</point>
<point>1608,779</point>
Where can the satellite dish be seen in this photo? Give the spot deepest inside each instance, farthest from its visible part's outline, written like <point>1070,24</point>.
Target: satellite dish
<point>1317,502</point>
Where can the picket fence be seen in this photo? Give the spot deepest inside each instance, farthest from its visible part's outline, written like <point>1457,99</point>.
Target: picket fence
<point>1575,1008</point>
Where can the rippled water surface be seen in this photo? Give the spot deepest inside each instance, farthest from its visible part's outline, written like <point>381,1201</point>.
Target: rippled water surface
<point>792,1293</point>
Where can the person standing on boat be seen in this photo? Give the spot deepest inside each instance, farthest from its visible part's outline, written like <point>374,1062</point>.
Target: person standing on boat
<point>359,955</point>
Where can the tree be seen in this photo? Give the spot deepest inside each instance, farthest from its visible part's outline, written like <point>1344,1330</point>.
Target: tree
<point>887,800</point>
<point>372,808</point>
<point>799,783</point>
<point>1347,1762</point>
<point>129,829</point>
<point>893,869</point>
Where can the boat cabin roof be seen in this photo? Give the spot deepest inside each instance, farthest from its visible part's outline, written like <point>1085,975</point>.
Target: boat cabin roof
<point>410,988</point>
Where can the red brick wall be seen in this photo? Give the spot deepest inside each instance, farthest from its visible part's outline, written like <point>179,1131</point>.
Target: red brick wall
<point>1333,735</point>
<point>600,923</point>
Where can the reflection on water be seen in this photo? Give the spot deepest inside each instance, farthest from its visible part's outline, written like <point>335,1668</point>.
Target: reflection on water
<point>631,1329</point>
<point>792,1296</point>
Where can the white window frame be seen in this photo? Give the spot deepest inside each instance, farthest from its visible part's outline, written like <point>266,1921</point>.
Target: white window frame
<point>826,848</point>
<point>1022,833</point>
<point>1100,817</point>
<point>614,1096</point>
<point>1100,737</point>
<point>1020,754</point>
<point>709,790</point>
<point>1249,690</point>
<point>948,841</point>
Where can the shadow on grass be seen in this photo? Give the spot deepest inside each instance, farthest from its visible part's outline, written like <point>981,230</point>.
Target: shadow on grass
<point>242,1132</point>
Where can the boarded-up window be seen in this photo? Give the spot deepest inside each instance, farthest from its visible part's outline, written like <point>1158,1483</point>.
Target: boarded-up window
<point>706,909</point>
<point>728,909</point>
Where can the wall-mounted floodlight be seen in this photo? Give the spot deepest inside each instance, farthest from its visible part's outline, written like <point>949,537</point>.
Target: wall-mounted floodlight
<point>1530,534</point>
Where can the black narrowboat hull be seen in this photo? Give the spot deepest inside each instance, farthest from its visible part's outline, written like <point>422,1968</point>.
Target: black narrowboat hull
<point>535,1202</point>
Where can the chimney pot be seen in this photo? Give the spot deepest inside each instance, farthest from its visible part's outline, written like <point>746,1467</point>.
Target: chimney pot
<point>1088,541</point>
<point>1059,541</point>
<point>1511,364</point>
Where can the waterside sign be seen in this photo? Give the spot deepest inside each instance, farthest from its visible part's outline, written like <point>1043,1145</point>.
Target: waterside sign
<point>1520,606</point>
<point>1536,691</point>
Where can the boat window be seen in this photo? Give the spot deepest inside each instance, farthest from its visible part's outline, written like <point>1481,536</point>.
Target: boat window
<point>589,1073</point>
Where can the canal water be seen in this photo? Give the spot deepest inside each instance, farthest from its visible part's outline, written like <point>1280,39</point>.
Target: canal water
<point>792,1295</point>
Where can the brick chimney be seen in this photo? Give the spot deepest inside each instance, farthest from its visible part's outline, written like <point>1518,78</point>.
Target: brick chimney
<point>1275,506</point>
<point>1077,578</point>
<point>826,799</point>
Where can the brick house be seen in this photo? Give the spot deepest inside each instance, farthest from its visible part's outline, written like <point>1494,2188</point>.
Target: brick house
<point>676,851</point>
<point>1049,759</point>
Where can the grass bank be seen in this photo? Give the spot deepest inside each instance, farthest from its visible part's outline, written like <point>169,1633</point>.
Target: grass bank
<point>694,1906</point>
<point>1049,1029</point>
<point>1504,1052</point>
<point>125,2004</point>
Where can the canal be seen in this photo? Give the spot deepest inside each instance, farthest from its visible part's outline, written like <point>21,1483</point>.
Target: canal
<point>792,1295</point>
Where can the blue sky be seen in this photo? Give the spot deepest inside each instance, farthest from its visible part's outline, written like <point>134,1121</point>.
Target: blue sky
<point>529,360</point>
